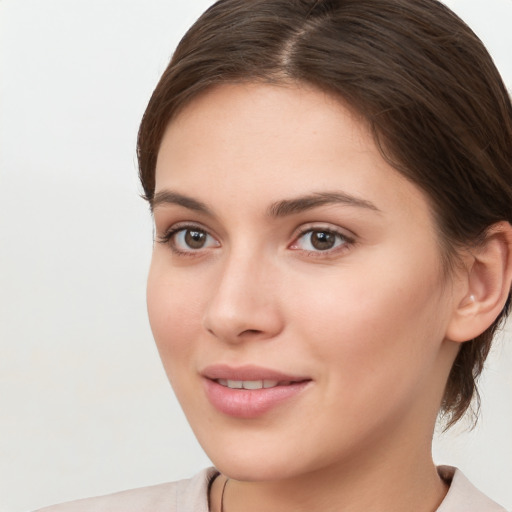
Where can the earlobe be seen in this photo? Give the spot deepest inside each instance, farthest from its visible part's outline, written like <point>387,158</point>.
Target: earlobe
<point>486,285</point>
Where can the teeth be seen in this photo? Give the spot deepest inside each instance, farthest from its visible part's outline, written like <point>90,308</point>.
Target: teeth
<point>249,384</point>
<point>252,384</point>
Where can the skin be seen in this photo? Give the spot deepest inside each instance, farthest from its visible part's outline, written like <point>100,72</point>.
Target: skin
<point>366,321</point>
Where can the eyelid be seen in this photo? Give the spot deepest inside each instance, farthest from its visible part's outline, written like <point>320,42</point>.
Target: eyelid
<point>324,226</point>
<point>190,224</point>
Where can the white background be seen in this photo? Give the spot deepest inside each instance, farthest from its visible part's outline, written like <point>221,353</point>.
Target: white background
<point>85,407</point>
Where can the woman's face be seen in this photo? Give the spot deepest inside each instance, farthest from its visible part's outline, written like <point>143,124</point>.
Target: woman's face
<point>291,260</point>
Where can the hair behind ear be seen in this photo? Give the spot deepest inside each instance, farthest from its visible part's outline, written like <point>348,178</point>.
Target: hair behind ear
<point>484,305</point>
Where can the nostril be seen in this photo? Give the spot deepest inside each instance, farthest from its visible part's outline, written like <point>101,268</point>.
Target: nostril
<point>250,331</point>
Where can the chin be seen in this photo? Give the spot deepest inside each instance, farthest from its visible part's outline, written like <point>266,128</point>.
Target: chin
<point>251,461</point>
<point>238,468</point>
<point>265,460</point>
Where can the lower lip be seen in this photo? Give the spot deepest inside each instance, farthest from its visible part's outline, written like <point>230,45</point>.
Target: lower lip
<point>245,403</point>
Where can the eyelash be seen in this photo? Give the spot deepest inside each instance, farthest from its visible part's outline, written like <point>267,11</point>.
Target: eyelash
<point>168,239</point>
<point>344,242</point>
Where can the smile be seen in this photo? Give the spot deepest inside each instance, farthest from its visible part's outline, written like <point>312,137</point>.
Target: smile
<point>248,392</point>
<point>252,384</point>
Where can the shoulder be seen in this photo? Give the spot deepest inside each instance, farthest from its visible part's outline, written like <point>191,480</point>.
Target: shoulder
<point>157,497</point>
<point>463,496</point>
<point>182,496</point>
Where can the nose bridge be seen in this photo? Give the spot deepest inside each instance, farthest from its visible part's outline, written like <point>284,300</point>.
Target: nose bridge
<point>243,303</point>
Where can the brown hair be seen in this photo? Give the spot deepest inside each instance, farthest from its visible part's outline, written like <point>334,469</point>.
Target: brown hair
<point>422,79</point>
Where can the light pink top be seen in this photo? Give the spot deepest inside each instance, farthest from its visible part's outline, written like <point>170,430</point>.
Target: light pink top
<point>191,496</point>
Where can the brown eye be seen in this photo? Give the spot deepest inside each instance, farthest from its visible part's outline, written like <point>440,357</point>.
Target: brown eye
<point>190,239</point>
<point>322,240</point>
<point>194,238</point>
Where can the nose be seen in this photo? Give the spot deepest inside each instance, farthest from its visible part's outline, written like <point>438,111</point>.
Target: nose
<point>244,303</point>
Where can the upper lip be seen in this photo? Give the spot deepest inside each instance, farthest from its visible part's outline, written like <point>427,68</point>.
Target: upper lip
<point>248,373</point>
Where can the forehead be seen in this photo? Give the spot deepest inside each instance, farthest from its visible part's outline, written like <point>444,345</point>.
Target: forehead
<point>258,140</point>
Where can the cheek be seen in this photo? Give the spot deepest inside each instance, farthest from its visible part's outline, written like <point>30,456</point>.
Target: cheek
<point>174,310</point>
<point>374,328</point>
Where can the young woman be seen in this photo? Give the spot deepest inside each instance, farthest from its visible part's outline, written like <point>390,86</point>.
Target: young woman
<point>331,183</point>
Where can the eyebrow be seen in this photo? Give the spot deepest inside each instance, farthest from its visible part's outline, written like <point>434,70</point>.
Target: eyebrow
<point>304,203</point>
<point>278,209</point>
<point>169,197</point>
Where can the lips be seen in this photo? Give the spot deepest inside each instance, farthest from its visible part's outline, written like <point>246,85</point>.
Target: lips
<point>249,391</point>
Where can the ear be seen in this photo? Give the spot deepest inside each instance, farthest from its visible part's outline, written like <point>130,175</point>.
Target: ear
<point>482,291</point>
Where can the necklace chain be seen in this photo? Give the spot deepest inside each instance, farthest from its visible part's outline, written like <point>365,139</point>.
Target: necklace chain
<point>222,495</point>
